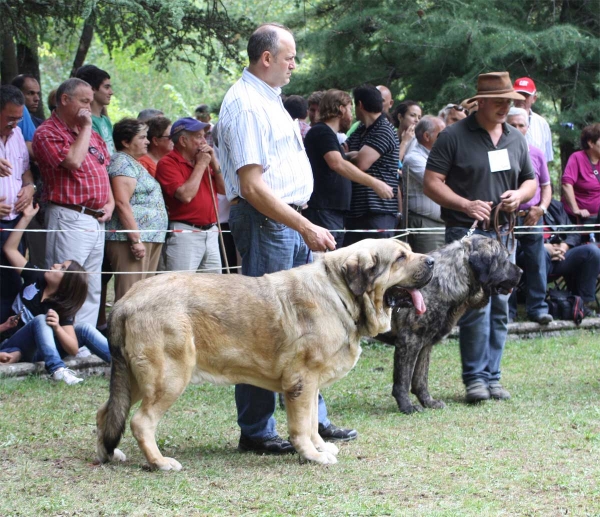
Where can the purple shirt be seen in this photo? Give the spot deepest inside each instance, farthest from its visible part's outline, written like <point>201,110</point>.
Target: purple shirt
<point>538,160</point>
<point>586,186</point>
<point>15,152</point>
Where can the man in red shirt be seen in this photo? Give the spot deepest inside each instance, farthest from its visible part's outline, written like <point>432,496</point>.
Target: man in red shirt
<point>185,175</point>
<point>73,159</point>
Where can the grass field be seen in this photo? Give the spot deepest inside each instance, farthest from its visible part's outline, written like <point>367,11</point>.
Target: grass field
<point>537,454</point>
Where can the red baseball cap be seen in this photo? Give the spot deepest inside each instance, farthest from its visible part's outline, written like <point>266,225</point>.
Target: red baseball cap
<point>525,85</point>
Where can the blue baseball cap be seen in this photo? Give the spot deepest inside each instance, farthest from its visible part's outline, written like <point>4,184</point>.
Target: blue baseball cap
<point>187,124</point>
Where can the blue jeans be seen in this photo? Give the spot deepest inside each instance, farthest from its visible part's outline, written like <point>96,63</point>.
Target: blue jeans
<point>265,247</point>
<point>36,342</point>
<point>531,257</point>
<point>580,268</point>
<point>482,331</point>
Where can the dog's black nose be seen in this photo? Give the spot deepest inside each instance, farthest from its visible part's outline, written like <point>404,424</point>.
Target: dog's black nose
<point>429,262</point>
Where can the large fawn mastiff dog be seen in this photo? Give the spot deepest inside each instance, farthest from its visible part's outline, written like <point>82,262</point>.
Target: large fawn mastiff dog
<point>292,332</point>
<point>467,273</point>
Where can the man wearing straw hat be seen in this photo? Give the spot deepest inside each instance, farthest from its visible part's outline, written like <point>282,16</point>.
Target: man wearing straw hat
<point>476,165</point>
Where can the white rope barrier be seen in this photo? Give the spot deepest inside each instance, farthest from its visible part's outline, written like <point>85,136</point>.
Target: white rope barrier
<point>564,229</point>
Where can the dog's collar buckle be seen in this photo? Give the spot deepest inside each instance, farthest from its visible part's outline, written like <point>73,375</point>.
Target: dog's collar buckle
<point>471,230</point>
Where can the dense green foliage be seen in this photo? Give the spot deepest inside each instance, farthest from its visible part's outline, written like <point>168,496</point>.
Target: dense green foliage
<point>434,51</point>
<point>177,54</point>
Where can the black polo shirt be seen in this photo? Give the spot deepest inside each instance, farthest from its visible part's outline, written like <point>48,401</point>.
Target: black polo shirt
<point>461,153</point>
<point>382,137</point>
<point>331,191</point>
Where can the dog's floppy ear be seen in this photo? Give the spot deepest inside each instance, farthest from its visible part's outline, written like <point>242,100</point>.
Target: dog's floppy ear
<point>360,271</point>
<point>480,264</point>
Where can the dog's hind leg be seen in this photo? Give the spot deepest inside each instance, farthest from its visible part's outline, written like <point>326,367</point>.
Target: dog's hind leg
<point>405,357</point>
<point>420,381</point>
<point>302,415</point>
<point>155,403</point>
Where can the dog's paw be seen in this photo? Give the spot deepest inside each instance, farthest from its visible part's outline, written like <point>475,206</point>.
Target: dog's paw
<point>435,404</point>
<point>409,409</point>
<point>168,464</point>
<point>325,458</point>
<point>330,448</point>
<point>118,455</point>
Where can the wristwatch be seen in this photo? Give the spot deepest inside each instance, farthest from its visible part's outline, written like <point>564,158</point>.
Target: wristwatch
<point>544,210</point>
<point>32,184</point>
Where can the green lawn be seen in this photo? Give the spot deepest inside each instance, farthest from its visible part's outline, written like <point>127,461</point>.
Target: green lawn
<point>537,454</point>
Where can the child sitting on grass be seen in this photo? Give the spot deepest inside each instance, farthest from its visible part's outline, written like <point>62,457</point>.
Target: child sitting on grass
<point>46,308</point>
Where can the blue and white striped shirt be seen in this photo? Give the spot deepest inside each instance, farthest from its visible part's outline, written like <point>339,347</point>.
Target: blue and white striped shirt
<point>255,128</point>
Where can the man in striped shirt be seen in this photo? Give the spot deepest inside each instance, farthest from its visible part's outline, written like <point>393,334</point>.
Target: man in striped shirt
<point>16,185</point>
<point>374,149</point>
<point>73,160</point>
<point>268,180</point>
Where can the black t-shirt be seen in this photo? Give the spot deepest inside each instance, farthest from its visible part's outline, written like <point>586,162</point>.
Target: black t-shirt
<point>31,294</point>
<point>462,154</point>
<point>331,191</point>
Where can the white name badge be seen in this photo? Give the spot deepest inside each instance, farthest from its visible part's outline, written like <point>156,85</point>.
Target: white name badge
<point>499,160</point>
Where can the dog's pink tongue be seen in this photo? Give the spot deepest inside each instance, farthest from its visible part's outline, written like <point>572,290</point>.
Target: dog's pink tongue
<point>418,301</point>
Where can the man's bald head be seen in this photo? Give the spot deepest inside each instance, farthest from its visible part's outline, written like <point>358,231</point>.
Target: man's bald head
<point>265,39</point>
<point>388,100</point>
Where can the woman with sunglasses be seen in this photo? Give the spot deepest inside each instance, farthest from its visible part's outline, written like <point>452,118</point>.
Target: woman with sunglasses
<point>159,143</point>
<point>46,308</point>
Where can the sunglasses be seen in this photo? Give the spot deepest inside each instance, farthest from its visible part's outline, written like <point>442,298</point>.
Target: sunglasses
<point>99,156</point>
<point>458,107</point>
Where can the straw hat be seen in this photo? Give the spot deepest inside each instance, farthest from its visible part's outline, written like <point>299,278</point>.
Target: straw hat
<point>495,85</point>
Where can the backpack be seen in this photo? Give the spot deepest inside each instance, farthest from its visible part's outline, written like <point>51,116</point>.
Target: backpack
<point>563,305</point>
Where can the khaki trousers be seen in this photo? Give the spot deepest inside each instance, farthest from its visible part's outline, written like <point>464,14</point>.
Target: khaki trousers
<point>121,259</point>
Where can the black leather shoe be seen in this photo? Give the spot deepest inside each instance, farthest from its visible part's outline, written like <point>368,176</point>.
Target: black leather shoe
<point>543,319</point>
<point>274,445</point>
<point>333,433</point>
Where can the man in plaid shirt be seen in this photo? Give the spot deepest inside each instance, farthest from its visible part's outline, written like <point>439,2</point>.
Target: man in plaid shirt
<point>73,160</point>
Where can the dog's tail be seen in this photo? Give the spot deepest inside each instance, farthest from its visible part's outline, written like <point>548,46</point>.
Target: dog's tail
<point>112,416</point>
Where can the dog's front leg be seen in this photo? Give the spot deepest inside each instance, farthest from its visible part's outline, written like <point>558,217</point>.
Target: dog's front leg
<point>420,381</point>
<point>405,357</point>
<point>320,444</point>
<point>302,415</point>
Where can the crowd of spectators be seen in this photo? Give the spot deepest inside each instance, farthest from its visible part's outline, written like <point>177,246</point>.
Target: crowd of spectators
<point>147,195</point>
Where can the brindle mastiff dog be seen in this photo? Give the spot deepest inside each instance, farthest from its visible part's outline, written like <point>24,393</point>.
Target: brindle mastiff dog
<point>292,332</point>
<point>466,274</point>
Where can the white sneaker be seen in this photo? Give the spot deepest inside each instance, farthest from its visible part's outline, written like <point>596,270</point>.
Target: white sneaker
<point>66,375</point>
<point>83,352</point>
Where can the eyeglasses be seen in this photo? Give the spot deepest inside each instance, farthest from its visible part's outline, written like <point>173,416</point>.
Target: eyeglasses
<point>458,107</point>
<point>99,156</point>
<point>163,136</point>
<point>14,122</point>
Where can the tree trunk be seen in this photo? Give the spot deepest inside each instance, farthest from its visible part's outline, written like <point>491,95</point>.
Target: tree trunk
<point>29,63</point>
<point>8,67</point>
<point>85,41</point>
